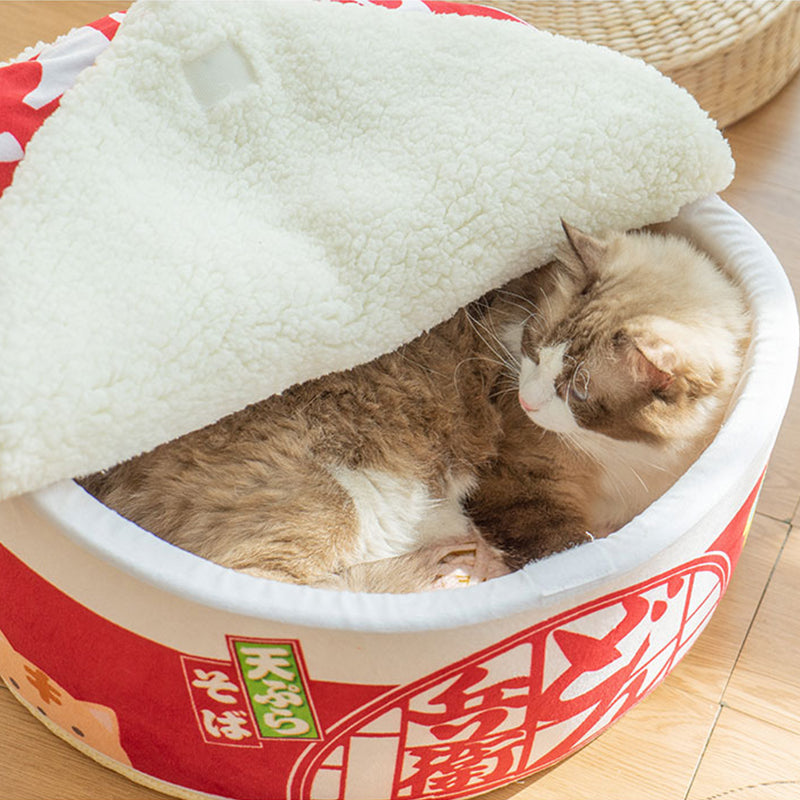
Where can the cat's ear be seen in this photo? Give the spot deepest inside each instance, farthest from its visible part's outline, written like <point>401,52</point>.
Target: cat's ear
<point>589,249</point>
<point>650,365</point>
<point>651,358</point>
<point>673,357</point>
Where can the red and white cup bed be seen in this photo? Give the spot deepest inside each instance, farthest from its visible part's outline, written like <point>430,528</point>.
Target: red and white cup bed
<point>203,682</point>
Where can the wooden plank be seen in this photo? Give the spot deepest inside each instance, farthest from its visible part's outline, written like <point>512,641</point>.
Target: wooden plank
<point>650,754</point>
<point>766,680</point>
<point>25,23</point>
<point>706,669</point>
<point>37,765</point>
<point>748,759</point>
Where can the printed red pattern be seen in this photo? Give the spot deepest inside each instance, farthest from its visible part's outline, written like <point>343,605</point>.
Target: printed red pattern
<point>18,121</point>
<point>30,91</point>
<point>523,704</point>
<point>491,717</point>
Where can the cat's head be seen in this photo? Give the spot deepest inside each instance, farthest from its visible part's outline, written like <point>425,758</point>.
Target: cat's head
<point>634,336</point>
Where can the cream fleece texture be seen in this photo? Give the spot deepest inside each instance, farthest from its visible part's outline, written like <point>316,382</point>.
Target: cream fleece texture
<point>240,196</point>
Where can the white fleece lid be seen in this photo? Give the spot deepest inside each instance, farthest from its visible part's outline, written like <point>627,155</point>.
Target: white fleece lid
<point>240,196</point>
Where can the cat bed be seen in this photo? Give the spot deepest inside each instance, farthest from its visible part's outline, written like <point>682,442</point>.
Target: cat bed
<point>203,682</point>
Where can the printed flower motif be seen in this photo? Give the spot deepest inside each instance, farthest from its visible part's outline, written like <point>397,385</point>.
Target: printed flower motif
<point>19,120</point>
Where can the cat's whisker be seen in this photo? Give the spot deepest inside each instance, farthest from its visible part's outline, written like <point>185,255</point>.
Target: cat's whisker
<point>423,367</point>
<point>509,374</point>
<point>531,311</point>
<point>527,301</point>
<point>464,361</point>
<point>606,470</point>
<point>486,359</point>
<point>508,358</point>
<point>547,300</point>
<point>574,442</point>
<point>533,318</point>
<point>530,314</point>
<point>530,321</point>
<point>486,342</point>
<point>501,392</point>
<point>492,331</point>
<point>639,478</point>
<point>657,467</point>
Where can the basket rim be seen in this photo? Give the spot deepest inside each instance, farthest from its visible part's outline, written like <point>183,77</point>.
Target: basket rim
<point>761,17</point>
<point>772,18</point>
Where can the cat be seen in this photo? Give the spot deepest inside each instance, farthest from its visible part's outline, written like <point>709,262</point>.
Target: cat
<point>551,411</point>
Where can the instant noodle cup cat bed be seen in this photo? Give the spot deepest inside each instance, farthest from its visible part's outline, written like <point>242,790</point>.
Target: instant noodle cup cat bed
<point>203,682</point>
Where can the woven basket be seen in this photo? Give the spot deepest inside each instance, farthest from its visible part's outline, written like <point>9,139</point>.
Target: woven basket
<point>732,55</point>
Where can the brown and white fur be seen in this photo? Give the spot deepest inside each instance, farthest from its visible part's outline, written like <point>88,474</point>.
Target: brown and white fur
<point>553,410</point>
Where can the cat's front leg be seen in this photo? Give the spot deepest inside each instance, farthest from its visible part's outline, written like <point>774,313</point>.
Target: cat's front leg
<point>450,565</point>
<point>527,531</point>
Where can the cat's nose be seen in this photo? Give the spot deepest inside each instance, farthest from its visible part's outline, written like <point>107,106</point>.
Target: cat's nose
<point>526,406</point>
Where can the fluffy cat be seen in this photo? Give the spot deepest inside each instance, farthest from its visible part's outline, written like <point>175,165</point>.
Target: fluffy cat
<point>552,410</point>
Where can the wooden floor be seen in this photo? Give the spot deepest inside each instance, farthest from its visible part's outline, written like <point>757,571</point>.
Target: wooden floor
<point>726,723</point>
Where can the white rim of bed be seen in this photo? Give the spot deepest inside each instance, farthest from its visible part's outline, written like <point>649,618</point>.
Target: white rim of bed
<point>725,474</point>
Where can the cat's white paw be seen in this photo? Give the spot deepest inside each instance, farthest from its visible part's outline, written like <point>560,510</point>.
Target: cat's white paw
<point>467,565</point>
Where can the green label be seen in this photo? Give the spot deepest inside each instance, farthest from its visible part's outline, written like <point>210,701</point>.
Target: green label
<point>275,686</point>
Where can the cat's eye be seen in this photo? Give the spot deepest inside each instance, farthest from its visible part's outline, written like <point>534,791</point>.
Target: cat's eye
<point>579,385</point>
<point>579,392</point>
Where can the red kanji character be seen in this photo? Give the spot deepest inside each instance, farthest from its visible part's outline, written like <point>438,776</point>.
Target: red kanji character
<point>457,765</point>
<point>487,707</point>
